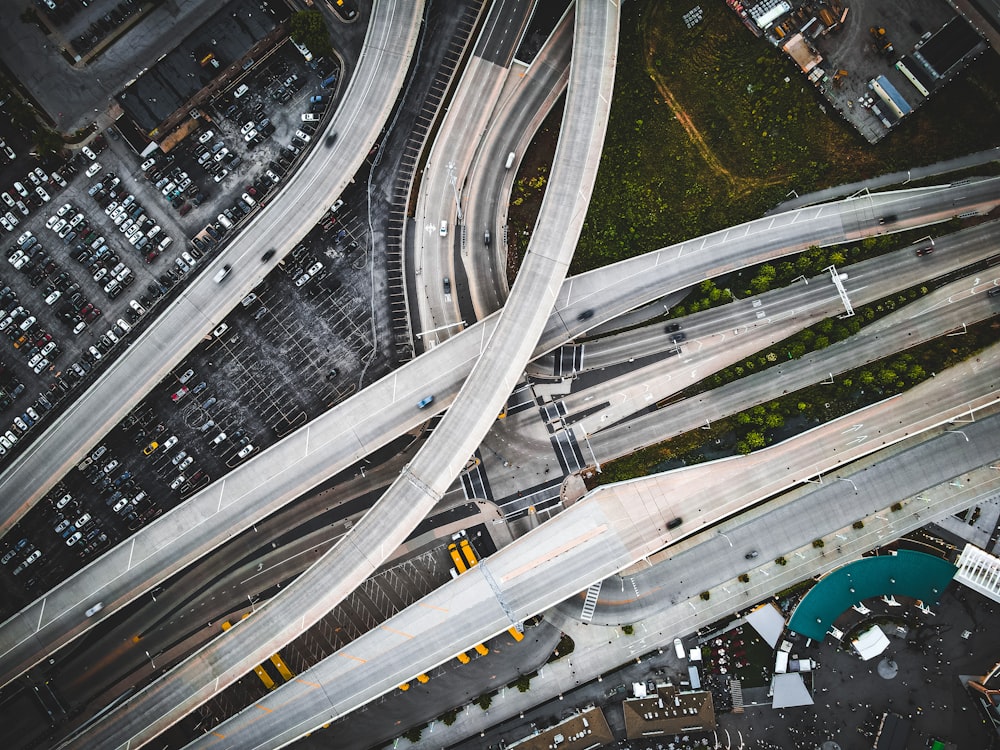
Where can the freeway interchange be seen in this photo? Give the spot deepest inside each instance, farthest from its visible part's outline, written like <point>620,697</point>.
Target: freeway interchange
<point>470,375</point>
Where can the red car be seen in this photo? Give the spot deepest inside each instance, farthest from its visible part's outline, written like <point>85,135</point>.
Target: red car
<point>925,250</point>
<point>175,397</point>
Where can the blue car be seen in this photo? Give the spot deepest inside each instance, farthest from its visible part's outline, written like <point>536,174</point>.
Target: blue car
<point>424,402</point>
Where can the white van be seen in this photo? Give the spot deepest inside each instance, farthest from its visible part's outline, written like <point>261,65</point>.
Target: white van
<point>444,228</point>
<point>679,649</point>
<point>222,273</point>
<point>224,220</point>
<point>510,161</point>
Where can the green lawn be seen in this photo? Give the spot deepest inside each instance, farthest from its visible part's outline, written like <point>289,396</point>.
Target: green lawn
<point>705,132</point>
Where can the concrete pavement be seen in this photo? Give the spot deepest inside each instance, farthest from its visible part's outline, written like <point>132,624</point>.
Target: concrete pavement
<point>617,523</point>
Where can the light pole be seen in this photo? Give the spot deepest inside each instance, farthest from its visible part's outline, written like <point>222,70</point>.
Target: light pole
<point>723,533</point>
<point>151,663</point>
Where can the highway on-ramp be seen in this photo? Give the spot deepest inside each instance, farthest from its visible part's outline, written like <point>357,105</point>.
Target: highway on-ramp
<point>613,527</point>
<point>372,418</point>
<point>366,106</point>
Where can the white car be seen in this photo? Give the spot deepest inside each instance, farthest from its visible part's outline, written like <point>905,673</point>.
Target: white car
<point>76,220</point>
<point>88,153</point>
<point>245,451</point>
<point>177,482</point>
<point>315,268</point>
<point>42,194</point>
<point>223,152</point>
<point>51,299</point>
<point>94,169</point>
<point>248,200</point>
<point>247,128</point>
<point>24,237</point>
<point>78,329</point>
<point>6,224</point>
<point>11,218</point>
<point>206,136</point>
<point>40,173</point>
<point>64,209</point>
<point>52,221</point>
<point>251,135</point>
<point>147,164</point>
<point>7,199</point>
<point>58,179</point>
<point>74,539</point>
<point>21,190</point>
<point>58,226</point>
<point>221,175</point>
<point>22,208</point>
<point>305,137</point>
<point>34,178</point>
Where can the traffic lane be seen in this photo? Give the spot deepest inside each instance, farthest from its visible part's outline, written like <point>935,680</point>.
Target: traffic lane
<point>634,509</point>
<point>24,628</point>
<point>325,173</point>
<point>444,454</point>
<point>502,32</point>
<point>839,504</point>
<point>683,264</point>
<point>526,101</point>
<point>714,348</point>
<point>921,321</point>
<point>441,189</point>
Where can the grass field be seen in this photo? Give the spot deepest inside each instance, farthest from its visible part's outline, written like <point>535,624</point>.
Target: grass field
<point>705,132</point>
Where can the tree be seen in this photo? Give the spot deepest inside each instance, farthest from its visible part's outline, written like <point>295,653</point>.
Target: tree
<point>413,735</point>
<point>523,683</point>
<point>448,718</point>
<point>484,701</point>
<point>308,27</point>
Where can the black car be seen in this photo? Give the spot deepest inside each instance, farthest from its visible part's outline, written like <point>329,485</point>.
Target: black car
<point>267,256</point>
<point>673,327</point>
<point>679,337</point>
<point>585,315</point>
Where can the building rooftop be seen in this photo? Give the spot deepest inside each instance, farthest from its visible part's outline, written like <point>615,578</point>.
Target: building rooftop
<point>588,729</point>
<point>669,711</point>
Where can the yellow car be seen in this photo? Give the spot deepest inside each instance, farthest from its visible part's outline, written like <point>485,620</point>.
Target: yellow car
<point>148,450</point>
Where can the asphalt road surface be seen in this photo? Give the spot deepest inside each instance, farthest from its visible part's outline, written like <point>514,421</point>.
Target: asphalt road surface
<point>444,454</point>
<point>385,410</point>
<point>614,527</point>
<point>290,215</point>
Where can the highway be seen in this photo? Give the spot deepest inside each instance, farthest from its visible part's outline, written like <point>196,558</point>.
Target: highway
<point>874,278</point>
<point>434,307</point>
<point>371,419</point>
<point>524,103</point>
<point>869,280</point>
<point>323,175</point>
<point>613,527</point>
<point>444,454</point>
<point>940,313</point>
<point>796,518</point>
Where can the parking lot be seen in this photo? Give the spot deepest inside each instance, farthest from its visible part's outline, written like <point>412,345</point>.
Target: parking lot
<point>299,343</point>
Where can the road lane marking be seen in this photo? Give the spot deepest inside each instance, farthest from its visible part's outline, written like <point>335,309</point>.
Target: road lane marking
<point>583,538</point>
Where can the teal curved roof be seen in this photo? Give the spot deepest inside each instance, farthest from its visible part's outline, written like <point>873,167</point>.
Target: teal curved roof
<point>907,573</point>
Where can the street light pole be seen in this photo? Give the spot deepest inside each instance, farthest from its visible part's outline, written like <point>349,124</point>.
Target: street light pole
<point>726,537</point>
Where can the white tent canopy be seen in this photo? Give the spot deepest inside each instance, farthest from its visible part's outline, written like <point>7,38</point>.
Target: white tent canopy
<point>871,643</point>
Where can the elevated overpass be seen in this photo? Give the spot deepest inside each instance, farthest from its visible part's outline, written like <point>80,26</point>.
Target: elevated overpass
<point>371,419</point>
<point>323,175</point>
<point>425,479</point>
<point>612,528</point>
